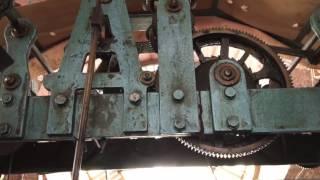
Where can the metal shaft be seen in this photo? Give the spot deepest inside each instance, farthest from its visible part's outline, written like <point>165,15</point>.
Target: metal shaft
<point>85,106</point>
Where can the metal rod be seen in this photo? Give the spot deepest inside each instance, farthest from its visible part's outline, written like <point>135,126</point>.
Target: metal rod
<point>42,60</point>
<point>85,106</point>
<point>306,46</point>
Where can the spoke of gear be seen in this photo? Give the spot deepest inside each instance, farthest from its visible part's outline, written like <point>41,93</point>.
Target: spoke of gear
<point>235,145</point>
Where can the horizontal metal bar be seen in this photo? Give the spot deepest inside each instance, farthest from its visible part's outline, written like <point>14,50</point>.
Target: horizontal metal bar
<point>272,111</point>
<point>285,110</point>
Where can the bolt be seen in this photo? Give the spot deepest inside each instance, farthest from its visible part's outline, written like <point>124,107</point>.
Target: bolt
<point>60,99</point>
<point>19,29</point>
<point>230,92</point>
<point>233,122</point>
<point>135,98</point>
<point>147,78</point>
<point>4,129</point>
<point>11,81</point>
<point>7,99</point>
<point>178,95</point>
<point>179,124</point>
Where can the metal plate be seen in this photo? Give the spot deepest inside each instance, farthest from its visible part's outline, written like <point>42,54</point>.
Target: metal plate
<point>176,70</point>
<point>13,114</point>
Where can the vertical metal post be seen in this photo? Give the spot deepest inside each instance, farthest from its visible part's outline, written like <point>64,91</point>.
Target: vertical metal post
<point>178,97</point>
<point>97,11</point>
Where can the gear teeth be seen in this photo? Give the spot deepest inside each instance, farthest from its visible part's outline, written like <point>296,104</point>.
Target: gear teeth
<point>237,31</point>
<point>289,83</point>
<point>206,153</point>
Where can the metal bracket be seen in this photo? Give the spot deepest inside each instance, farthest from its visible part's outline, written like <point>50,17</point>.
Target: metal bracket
<point>178,97</point>
<point>14,88</point>
<point>69,79</point>
<point>230,103</point>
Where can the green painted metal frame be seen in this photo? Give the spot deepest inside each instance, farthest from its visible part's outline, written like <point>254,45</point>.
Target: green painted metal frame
<point>161,113</point>
<point>224,107</point>
<point>14,113</point>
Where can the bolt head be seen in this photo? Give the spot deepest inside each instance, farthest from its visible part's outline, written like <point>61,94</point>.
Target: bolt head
<point>147,78</point>
<point>179,124</point>
<point>60,99</point>
<point>230,92</point>
<point>178,95</point>
<point>7,99</point>
<point>135,97</point>
<point>11,81</point>
<point>233,122</point>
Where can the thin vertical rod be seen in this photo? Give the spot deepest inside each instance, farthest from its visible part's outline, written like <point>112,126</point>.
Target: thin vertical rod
<point>85,106</point>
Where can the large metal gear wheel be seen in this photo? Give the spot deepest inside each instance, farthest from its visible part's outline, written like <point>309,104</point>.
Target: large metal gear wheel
<point>263,69</point>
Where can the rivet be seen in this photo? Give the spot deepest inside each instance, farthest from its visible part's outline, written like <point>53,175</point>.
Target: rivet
<point>147,78</point>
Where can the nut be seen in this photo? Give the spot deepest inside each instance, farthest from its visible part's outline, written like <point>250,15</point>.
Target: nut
<point>227,74</point>
<point>178,95</point>
<point>179,124</point>
<point>230,92</point>
<point>233,122</point>
<point>147,78</point>
<point>135,98</point>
